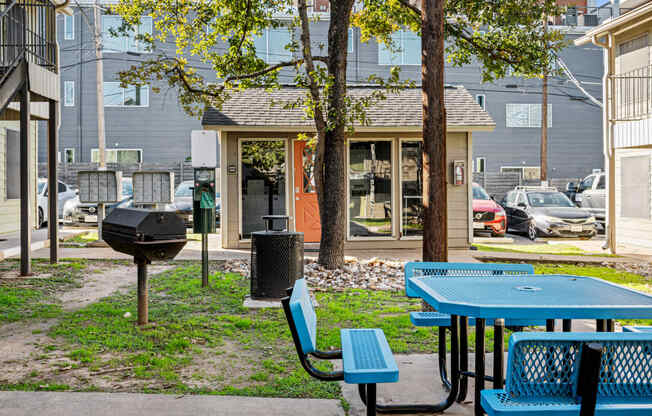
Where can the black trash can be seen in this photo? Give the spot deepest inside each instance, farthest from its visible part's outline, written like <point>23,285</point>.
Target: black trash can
<point>276,259</point>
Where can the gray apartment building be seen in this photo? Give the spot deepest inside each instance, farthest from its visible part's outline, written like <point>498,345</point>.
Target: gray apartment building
<point>143,126</point>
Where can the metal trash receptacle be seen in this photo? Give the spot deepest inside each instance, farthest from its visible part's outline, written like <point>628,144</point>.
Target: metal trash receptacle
<point>276,259</point>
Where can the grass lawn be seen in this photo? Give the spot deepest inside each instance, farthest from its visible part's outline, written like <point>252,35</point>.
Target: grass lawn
<point>203,341</point>
<point>559,249</point>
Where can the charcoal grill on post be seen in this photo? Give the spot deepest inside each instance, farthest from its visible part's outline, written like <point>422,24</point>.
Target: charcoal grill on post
<point>147,236</point>
<point>276,259</point>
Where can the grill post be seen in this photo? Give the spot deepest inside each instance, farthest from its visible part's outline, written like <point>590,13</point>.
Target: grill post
<point>142,291</point>
<point>204,260</point>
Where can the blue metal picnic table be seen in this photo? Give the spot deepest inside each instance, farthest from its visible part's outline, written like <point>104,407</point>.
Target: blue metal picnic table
<point>546,297</point>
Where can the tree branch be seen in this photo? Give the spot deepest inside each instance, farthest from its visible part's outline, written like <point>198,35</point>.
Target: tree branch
<point>407,4</point>
<point>496,54</point>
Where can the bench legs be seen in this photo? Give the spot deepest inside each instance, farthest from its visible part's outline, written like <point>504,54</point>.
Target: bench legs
<point>427,408</point>
<point>369,392</point>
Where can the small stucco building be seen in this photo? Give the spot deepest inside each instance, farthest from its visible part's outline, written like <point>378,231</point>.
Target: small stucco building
<point>627,44</point>
<point>267,169</point>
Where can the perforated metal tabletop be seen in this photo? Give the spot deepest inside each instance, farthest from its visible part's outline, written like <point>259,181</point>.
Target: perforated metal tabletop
<point>532,296</point>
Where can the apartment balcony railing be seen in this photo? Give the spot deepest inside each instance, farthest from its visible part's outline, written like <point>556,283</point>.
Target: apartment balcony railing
<point>631,95</point>
<point>584,16</point>
<point>28,29</point>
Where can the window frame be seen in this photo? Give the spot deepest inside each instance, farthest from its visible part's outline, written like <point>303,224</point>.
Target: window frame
<point>266,34</point>
<point>350,47</point>
<point>401,50</point>
<point>126,39</point>
<point>65,154</point>
<point>483,99</point>
<point>95,150</point>
<point>399,189</point>
<point>530,124</point>
<point>68,21</point>
<point>288,177</point>
<point>393,156</point>
<point>123,96</point>
<point>68,99</point>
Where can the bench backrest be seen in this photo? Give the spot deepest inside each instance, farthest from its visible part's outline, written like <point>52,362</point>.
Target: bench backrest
<point>547,364</point>
<point>304,316</point>
<point>413,269</point>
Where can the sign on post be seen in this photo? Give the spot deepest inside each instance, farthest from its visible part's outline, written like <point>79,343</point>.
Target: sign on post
<point>99,186</point>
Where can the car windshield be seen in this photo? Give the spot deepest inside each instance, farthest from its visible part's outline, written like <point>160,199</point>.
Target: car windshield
<point>184,189</point>
<point>41,185</point>
<point>549,199</point>
<point>127,188</point>
<point>480,193</point>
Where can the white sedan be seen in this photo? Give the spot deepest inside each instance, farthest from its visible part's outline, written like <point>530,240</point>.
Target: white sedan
<point>66,193</point>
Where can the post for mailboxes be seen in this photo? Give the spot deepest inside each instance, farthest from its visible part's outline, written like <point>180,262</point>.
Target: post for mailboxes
<point>204,162</point>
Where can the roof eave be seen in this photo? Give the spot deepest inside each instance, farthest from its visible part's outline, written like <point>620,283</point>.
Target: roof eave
<point>612,25</point>
<point>362,129</point>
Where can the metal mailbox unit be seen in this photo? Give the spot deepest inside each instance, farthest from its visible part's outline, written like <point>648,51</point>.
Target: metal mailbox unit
<point>147,236</point>
<point>99,186</point>
<point>151,188</point>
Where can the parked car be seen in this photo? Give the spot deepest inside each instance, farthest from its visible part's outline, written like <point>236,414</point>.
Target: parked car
<point>87,212</point>
<point>541,211</point>
<point>591,194</point>
<point>183,203</point>
<point>488,215</point>
<point>65,193</point>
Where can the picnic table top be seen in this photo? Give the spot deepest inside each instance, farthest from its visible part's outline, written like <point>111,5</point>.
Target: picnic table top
<point>532,296</point>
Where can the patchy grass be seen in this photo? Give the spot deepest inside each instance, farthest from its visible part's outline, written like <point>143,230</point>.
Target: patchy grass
<point>631,280</point>
<point>81,240</point>
<point>34,297</point>
<point>554,249</point>
<point>204,341</point>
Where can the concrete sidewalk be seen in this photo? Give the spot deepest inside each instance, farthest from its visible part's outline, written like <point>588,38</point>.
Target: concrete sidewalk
<point>488,256</point>
<point>10,243</point>
<point>14,403</point>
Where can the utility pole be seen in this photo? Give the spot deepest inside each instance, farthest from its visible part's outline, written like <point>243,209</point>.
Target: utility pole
<point>101,140</point>
<point>544,110</point>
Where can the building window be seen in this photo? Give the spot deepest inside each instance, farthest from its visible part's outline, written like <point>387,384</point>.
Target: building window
<point>526,115</point>
<point>124,43</point>
<point>350,47</point>
<point>68,27</point>
<point>263,186</point>
<point>480,165</point>
<point>69,153</point>
<point>408,53</point>
<point>120,156</point>
<point>525,172</point>
<point>481,99</point>
<point>69,93</point>
<point>370,189</point>
<point>12,164</point>
<point>132,96</point>
<point>635,187</point>
<point>411,188</point>
<point>270,46</point>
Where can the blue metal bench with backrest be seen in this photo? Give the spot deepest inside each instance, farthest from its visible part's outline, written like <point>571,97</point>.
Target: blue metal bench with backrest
<point>366,357</point>
<point>443,320</point>
<point>547,375</point>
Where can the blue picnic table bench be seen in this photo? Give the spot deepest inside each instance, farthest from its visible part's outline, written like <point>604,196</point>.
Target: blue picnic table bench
<point>551,374</point>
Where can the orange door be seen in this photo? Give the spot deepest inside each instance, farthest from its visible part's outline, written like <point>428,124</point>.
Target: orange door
<point>305,195</point>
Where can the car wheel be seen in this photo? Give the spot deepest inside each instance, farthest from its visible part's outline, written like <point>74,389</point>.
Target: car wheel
<point>40,219</point>
<point>532,231</point>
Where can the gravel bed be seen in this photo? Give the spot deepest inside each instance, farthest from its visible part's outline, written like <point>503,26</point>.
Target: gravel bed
<point>373,273</point>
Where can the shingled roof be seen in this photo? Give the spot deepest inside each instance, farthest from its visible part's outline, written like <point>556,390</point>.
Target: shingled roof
<point>255,108</point>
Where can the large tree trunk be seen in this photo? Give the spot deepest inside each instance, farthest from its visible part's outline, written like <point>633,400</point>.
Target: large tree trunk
<point>333,199</point>
<point>435,228</point>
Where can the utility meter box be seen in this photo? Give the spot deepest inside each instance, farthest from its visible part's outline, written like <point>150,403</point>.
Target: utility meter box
<point>203,201</point>
<point>153,188</point>
<point>99,186</point>
<point>203,150</point>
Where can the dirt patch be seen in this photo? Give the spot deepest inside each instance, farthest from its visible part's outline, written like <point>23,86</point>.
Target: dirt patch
<point>100,283</point>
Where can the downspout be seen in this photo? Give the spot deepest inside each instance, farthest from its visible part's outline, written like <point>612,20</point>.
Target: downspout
<point>607,145</point>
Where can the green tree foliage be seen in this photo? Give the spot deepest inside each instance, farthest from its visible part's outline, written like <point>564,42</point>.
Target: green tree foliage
<point>215,57</point>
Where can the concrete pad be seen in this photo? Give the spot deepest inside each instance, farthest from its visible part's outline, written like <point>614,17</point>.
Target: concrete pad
<point>126,404</point>
<point>493,240</point>
<point>418,383</point>
<point>260,303</point>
